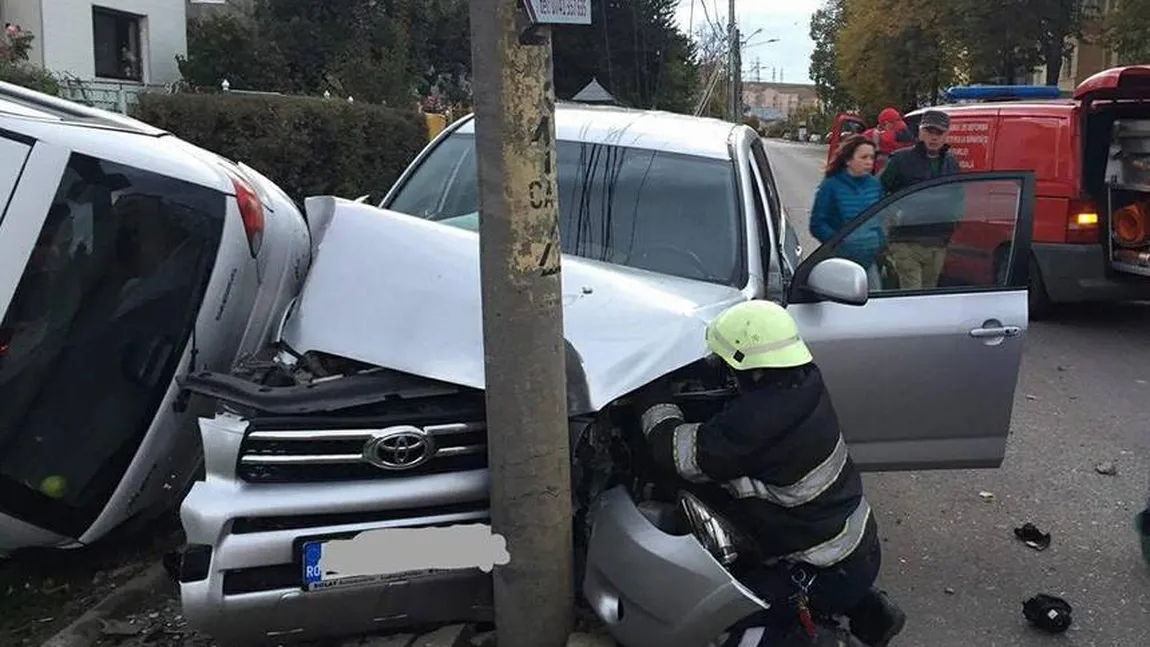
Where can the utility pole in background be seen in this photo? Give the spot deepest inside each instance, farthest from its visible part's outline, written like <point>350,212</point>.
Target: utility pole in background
<point>738,75</point>
<point>523,342</point>
<point>733,74</point>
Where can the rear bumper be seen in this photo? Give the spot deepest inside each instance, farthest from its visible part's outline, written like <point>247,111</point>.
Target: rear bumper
<point>245,585</point>
<point>1076,273</point>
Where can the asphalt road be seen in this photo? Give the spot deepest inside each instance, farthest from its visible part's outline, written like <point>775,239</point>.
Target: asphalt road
<point>951,559</point>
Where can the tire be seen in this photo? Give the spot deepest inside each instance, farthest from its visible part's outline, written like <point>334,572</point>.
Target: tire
<point>1038,300</point>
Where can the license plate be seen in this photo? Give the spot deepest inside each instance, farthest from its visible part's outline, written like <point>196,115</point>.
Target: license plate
<point>385,554</point>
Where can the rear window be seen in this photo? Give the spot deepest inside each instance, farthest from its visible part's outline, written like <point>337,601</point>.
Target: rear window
<point>94,332</point>
<point>653,210</point>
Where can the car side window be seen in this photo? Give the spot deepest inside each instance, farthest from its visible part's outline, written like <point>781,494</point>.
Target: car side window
<point>948,237</point>
<point>762,218</point>
<point>761,161</point>
<point>96,327</point>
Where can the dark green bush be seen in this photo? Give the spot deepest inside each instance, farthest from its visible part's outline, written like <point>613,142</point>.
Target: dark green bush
<point>308,146</point>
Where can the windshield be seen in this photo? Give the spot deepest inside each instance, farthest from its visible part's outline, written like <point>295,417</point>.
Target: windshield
<point>652,210</point>
<point>94,332</point>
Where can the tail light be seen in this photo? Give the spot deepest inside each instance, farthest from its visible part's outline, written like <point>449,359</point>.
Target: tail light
<point>252,213</point>
<point>1082,226</point>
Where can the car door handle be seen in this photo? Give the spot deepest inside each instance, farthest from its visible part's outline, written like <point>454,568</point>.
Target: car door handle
<point>1001,331</point>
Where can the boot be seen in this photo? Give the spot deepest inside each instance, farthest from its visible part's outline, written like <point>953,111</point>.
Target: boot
<point>876,620</point>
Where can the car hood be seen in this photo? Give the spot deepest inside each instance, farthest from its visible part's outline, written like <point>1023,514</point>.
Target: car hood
<point>404,293</point>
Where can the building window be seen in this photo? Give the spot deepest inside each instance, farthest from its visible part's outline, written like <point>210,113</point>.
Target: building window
<point>117,44</point>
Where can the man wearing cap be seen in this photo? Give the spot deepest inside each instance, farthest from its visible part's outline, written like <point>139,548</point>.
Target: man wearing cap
<point>919,239</point>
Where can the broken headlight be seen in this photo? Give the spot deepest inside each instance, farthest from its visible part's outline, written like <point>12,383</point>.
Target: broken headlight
<point>715,533</point>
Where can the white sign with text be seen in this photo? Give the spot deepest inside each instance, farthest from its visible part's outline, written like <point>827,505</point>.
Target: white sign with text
<point>559,12</point>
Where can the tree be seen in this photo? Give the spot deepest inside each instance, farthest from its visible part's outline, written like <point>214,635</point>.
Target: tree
<point>634,48</point>
<point>1001,41</point>
<point>356,48</point>
<point>1058,21</point>
<point>1127,30</point>
<point>896,52</point>
<point>826,23</point>
<point>390,51</point>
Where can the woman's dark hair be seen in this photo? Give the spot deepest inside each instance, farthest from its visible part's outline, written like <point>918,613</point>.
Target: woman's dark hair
<point>846,151</point>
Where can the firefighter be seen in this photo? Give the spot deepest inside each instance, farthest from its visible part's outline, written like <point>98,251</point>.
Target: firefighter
<point>776,460</point>
<point>889,135</point>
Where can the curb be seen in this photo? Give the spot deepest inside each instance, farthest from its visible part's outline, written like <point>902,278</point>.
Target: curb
<point>88,628</point>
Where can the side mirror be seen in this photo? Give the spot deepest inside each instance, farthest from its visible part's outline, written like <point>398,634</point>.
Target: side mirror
<point>839,280</point>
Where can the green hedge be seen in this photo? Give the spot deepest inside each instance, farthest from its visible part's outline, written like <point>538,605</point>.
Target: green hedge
<point>308,146</point>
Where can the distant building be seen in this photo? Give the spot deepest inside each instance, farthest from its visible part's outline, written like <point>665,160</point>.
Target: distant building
<point>777,101</point>
<point>595,93</point>
<point>120,41</point>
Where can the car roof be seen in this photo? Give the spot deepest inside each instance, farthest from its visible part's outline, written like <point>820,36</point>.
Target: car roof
<point>647,129</point>
<point>17,101</point>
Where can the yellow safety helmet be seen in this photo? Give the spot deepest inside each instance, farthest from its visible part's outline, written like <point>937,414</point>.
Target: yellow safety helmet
<point>757,334</point>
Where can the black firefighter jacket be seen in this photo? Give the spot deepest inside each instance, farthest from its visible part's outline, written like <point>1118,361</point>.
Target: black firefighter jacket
<point>778,452</point>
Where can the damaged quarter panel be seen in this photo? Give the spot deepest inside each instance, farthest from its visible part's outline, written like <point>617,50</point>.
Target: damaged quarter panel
<point>402,292</point>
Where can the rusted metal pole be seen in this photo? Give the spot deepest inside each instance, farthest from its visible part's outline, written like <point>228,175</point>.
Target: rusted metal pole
<point>523,323</point>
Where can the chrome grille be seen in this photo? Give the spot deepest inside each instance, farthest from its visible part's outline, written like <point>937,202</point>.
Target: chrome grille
<point>343,454</point>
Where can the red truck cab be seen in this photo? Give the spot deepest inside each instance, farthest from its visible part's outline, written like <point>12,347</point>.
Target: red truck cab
<point>1091,155</point>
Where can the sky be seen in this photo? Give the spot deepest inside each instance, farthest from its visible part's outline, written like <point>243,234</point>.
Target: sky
<point>788,20</point>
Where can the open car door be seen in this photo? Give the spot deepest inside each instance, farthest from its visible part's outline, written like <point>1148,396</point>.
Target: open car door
<point>846,124</point>
<point>923,362</point>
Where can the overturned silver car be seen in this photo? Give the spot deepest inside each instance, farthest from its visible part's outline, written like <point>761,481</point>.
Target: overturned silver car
<point>367,416</point>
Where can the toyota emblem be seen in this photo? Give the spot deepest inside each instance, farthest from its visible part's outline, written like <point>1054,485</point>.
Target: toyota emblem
<point>399,448</point>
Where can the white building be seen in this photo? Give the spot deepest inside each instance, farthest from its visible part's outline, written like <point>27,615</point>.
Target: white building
<point>120,41</point>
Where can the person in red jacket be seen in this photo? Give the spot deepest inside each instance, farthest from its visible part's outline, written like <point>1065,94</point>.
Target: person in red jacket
<point>889,135</point>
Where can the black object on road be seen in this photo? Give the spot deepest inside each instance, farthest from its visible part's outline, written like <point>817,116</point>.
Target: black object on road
<point>1033,537</point>
<point>1047,612</point>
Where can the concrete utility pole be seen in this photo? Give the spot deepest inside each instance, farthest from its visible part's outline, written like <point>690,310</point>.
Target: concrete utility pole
<point>526,386</point>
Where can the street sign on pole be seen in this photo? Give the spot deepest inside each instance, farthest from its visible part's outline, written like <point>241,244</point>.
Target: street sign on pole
<point>559,12</point>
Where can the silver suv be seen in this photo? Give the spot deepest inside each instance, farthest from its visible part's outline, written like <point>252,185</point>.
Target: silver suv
<point>127,257</point>
<point>367,417</point>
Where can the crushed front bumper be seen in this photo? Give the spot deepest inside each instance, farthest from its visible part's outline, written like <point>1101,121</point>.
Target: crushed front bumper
<point>242,574</point>
<point>655,589</point>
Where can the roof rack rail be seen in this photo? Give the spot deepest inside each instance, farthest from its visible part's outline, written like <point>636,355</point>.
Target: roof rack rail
<point>989,93</point>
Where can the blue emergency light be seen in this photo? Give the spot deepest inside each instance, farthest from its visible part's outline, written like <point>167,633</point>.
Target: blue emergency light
<point>1002,92</point>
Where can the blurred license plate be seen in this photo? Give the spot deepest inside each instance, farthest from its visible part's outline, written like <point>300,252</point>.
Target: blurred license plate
<point>384,554</point>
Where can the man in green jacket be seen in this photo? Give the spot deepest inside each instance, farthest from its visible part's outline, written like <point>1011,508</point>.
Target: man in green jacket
<point>918,240</point>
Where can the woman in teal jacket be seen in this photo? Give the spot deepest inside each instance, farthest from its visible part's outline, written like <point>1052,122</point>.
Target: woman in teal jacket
<point>847,190</point>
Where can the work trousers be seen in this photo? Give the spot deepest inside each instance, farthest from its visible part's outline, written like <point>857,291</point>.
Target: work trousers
<point>837,590</point>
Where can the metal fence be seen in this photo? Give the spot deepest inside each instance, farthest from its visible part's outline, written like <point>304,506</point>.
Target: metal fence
<point>107,95</point>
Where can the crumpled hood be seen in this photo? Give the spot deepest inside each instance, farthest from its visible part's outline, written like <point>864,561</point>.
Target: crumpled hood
<point>404,293</point>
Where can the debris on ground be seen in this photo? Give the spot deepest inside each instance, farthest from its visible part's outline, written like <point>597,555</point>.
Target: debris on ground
<point>1030,535</point>
<point>1107,468</point>
<point>986,496</point>
<point>42,590</point>
<point>1048,612</point>
<point>949,591</point>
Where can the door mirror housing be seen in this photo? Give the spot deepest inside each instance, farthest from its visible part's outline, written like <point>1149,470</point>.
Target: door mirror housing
<point>839,280</point>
